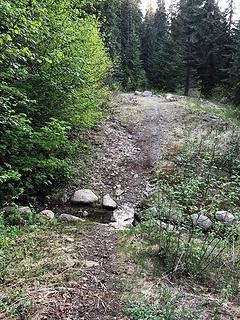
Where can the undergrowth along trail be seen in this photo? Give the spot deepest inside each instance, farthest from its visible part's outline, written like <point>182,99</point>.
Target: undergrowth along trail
<point>90,271</point>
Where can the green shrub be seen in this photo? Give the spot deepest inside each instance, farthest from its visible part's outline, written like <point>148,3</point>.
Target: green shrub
<point>53,71</point>
<point>33,159</point>
<point>204,180</point>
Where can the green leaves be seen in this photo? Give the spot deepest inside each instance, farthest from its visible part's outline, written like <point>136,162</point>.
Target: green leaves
<point>53,72</point>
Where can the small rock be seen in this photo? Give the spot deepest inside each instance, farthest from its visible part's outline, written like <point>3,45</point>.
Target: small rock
<point>122,225</point>
<point>165,226</point>
<point>147,94</point>
<point>153,212</point>
<point>47,214</point>
<point>84,196</point>
<point>138,93</point>
<point>201,221</point>
<point>226,217</point>
<point>224,100</point>
<point>108,202</point>
<point>68,239</point>
<point>119,192</point>
<point>23,211</point>
<point>90,264</point>
<point>124,214</point>
<point>85,214</point>
<point>172,217</point>
<point>69,217</point>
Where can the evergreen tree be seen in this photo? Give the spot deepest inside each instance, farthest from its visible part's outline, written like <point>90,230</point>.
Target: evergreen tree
<point>131,63</point>
<point>211,48</point>
<point>148,43</point>
<point>234,70</point>
<point>184,32</point>
<point>166,57</point>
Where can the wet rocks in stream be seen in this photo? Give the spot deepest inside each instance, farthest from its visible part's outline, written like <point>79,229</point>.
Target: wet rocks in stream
<point>84,196</point>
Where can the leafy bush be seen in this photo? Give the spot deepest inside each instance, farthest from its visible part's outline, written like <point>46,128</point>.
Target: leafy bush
<point>204,178</point>
<point>32,160</point>
<point>53,77</point>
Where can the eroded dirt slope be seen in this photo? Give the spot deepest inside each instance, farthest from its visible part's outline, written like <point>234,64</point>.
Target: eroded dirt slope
<point>129,143</point>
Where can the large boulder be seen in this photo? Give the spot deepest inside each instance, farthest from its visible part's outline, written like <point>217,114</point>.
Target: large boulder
<point>108,202</point>
<point>84,196</point>
<point>201,221</point>
<point>226,217</point>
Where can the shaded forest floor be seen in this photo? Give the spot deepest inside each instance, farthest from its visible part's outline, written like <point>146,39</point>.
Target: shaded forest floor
<point>85,270</point>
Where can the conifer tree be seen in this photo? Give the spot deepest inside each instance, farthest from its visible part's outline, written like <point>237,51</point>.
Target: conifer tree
<point>130,28</point>
<point>234,70</point>
<point>148,43</point>
<point>184,31</point>
<point>212,41</point>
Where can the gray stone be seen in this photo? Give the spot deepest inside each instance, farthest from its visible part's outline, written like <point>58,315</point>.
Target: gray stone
<point>122,218</point>
<point>165,226</point>
<point>108,202</point>
<point>147,94</point>
<point>122,225</point>
<point>153,212</point>
<point>124,214</point>
<point>47,214</point>
<point>172,217</point>
<point>84,196</point>
<point>90,264</point>
<point>226,217</point>
<point>138,93</point>
<point>224,100</point>
<point>23,211</point>
<point>69,217</point>
<point>201,221</point>
<point>118,191</point>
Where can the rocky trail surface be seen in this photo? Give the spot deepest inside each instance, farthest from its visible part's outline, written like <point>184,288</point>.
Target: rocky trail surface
<point>127,145</point>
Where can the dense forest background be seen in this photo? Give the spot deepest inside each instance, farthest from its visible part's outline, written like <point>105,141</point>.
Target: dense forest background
<point>60,59</point>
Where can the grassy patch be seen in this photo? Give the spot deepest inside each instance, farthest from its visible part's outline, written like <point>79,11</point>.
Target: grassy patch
<point>34,259</point>
<point>201,177</point>
<point>227,112</point>
<point>165,307</point>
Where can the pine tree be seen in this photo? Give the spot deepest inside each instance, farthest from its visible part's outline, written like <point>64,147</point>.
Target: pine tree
<point>148,43</point>
<point>184,31</point>
<point>130,28</point>
<point>234,70</point>
<point>212,52</point>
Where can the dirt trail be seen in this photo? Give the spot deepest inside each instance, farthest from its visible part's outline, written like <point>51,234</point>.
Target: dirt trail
<point>129,143</point>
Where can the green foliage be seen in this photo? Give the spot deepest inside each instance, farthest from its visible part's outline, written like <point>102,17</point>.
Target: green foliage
<point>207,173</point>
<point>33,159</point>
<point>53,78</point>
<point>234,68</point>
<point>204,180</point>
<point>122,22</point>
<point>167,309</point>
